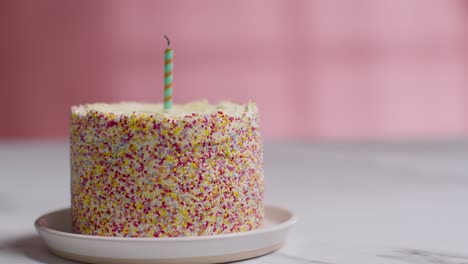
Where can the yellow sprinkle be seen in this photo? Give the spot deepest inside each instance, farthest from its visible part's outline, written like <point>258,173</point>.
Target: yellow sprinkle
<point>170,158</point>
<point>139,206</point>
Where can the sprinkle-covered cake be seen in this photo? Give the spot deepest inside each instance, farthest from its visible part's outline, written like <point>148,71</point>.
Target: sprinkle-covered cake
<point>137,171</point>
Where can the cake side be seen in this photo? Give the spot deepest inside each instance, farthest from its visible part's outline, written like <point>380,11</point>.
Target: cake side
<point>153,174</point>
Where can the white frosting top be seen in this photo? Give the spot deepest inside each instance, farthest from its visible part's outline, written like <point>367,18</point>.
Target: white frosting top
<point>177,111</point>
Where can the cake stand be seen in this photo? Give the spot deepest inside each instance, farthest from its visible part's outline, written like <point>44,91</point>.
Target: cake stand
<point>55,229</point>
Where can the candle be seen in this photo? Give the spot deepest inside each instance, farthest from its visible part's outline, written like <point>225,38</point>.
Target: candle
<point>168,65</point>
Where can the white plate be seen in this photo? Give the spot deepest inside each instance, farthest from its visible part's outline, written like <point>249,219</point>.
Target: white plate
<point>55,230</point>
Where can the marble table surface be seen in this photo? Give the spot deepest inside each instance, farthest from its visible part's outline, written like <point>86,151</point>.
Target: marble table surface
<point>357,203</point>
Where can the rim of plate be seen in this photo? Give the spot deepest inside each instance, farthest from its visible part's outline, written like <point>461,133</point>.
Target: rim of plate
<point>292,219</point>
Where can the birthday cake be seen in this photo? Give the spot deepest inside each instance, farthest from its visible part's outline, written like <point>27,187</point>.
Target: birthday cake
<point>137,171</point>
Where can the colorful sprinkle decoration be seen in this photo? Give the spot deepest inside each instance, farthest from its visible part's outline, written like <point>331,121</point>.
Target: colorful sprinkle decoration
<point>154,175</point>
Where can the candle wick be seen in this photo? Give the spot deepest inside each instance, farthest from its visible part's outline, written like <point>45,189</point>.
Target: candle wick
<point>168,41</point>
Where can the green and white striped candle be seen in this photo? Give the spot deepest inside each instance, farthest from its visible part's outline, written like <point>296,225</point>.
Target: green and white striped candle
<point>168,66</point>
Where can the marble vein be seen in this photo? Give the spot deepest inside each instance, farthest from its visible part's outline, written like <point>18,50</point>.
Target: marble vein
<point>418,256</point>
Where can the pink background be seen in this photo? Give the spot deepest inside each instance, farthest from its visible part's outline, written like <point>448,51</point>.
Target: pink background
<point>318,69</point>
